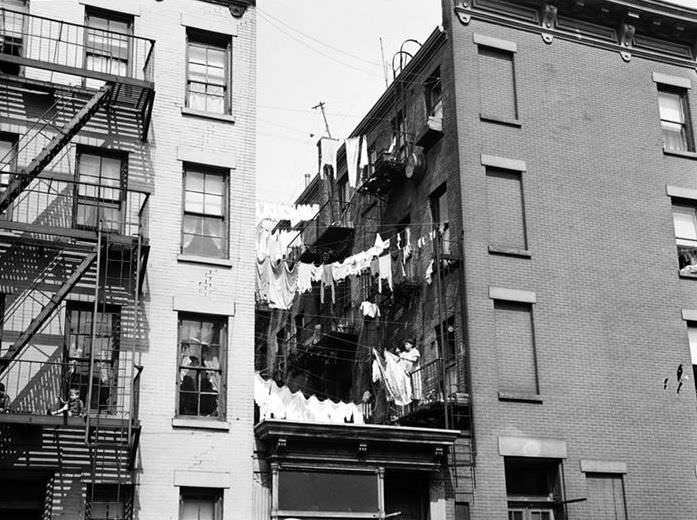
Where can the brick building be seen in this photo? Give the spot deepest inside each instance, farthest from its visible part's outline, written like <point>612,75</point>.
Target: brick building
<point>126,131</point>
<point>532,165</point>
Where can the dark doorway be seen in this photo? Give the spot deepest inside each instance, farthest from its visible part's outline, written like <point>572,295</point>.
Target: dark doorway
<point>406,493</point>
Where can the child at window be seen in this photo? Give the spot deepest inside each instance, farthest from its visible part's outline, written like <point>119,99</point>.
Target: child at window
<point>74,406</point>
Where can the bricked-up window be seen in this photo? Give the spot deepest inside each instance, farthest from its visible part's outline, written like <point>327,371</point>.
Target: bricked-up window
<point>533,489</point>
<point>440,218</point>
<point>12,30</point>
<point>99,192</point>
<point>8,158</point>
<point>691,336</point>
<point>685,226</point>
<point>202,365</point>
<point>200,503</point>
<point>208,72</point>
<point>515,347</point>
<point>107,42</point>
<point>497,84</point>
<point>606,499</point>
<point>504,193</point>
<point>434,95</point>
<point>675,119</point>
<point>205,220</point>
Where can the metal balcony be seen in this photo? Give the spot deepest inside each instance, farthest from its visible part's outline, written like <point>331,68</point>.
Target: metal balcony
<point>384,173</point>
<point>329,236</point>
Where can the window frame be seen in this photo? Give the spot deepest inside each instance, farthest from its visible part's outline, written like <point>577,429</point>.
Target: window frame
<point>684,206</point>
<point>552,502</point>
<point>11,139</point>
<point>210,39</point>
<point>215,494</point>
<point>109,16</point>
<point>98,200</point>
<point>491,172</point>
<point>222,361</point>
<point>15,43</point>
<point>207,170</point>
<point>499,53</point>
<point>437,200</point>
<point>687,131</point>
<point>434,80</point>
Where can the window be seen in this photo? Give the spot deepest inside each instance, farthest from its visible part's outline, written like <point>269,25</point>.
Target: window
<point>208,72</point>
<point>205,224</point>
<point>106,347</point>
<point>399,128</point>
<point>605,497</point>
<point>99,190</point>
<point>533,488</point>
<point>449,346</point>
<point>107,41</point>
<point>439,215</point>
<point>685,226</point>
<point>202,349</point>
<point>434,95</point>
<point>497,84</point>
<point>506,210</point>
<point>462,511</point>
<point>200,504</point>
<point>109,502</point>
<point>12,22</point>
<point>515,347</point>
<point>8,158</point>
<point>675,119</point>
<point>691,336</point>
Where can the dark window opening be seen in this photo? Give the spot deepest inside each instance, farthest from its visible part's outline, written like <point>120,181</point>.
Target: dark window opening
<point>324,491</point>
<point>109,502</point>
<point>434,95</point>
<point>440,218</point>
<point>533,488</point>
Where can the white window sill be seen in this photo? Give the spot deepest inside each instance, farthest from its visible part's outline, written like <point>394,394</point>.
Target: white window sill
<point>227,118</point>
<point>526,397</point>
<point>680,153</point>
<point>509,251</point>
<point>200,423</point>
<point>221,262</point>
<point>501,120</point>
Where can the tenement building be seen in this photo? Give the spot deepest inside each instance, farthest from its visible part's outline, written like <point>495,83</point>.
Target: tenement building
<point>493,312</point>
<point>126,304</point>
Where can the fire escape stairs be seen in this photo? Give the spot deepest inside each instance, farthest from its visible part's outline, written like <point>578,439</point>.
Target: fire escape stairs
<point>23,178</point>
<point>47,311</point>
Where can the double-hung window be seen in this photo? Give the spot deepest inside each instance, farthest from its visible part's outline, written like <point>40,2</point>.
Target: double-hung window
<point>99,190</point>
<point>208,73</point>
<point>201,365</point>
<point>8,158</point>
<point>107,42</point>
<point>685,226</point>
<point>204,230</point>
<point>675,121</point>
<point>12,30</point>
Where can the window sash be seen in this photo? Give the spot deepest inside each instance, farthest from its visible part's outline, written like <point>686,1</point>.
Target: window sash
<point>201,366</point>
<point>107,44</point>
<point>673,113</point>
<point>685,222</point>
<point>7,161</point>
<point>205,213</point>
<point>207,77</point>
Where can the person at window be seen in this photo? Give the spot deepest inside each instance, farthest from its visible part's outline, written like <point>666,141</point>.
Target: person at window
<point>189,387</point>
<point>210,385</point>
<point>74,406</point>
<point>4,400</point>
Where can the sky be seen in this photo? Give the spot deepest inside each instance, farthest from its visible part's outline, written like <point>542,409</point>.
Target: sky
<point>311,51</point>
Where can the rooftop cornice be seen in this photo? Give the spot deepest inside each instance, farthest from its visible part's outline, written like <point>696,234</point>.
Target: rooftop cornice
<point>649,29</point>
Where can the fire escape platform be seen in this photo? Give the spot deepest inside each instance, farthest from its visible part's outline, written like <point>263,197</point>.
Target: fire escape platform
<point>61,421</point>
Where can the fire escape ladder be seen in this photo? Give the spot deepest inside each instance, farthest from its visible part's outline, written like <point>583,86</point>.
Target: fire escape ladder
<point>48,310</point>
<point>23,178</point>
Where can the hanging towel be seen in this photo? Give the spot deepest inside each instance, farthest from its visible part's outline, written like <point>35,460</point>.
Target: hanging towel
<point>429,273</point>
<point>385,265</point>
<point>352,150</point>
<point>282,286</point>
<point>328,148</point>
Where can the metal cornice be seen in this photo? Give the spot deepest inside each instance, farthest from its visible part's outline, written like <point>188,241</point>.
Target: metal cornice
<point>464,13</point>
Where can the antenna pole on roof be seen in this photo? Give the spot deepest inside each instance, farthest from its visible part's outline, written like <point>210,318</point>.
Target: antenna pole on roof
<point>384,63</point>
<point>320,105</point>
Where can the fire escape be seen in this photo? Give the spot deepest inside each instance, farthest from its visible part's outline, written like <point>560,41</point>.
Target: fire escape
<point>73,251</point>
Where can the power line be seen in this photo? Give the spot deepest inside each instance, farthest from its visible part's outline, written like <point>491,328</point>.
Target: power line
<point>354,56</point>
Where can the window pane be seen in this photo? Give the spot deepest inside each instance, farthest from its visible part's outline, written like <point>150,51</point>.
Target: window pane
<point>213,227</point>
<point>216,57</point>
<point>214,205</point>
<point>674,137</point>
<point>193,202</point>
<point>692,337</point>
<point>197,72</point>
<point>197,54</point>
<point>197,101</point>
<point>215,184</point>
<point>194,181</point>
<point>89,165</point>
<point>685,222</point>
<point>215,105</point>
<point>193,224</point>
<point>670,106</point>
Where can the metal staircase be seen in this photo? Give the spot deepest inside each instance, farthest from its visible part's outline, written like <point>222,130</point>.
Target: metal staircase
<point>21,179</point>
<point>47,311</point>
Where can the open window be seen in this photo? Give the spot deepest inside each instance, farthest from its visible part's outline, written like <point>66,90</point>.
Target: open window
<point>685,226</point>
<point>675,119</point>
<point>534,489</point>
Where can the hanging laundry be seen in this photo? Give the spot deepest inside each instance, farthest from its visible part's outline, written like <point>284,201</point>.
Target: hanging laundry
<point>352,151</point>
<point>363,159</point>
<point>317,272</point>
<point>305,272</point>
<point>327,150</point>
<point>263,279</point>
<point>283,285</point>
<point>380,244</point>
<point>393,377</point>
<point>369,309</point>
<point>273,212</point>
<point>385,266</point>
<point>429,273</point>
<point>327,280</point>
